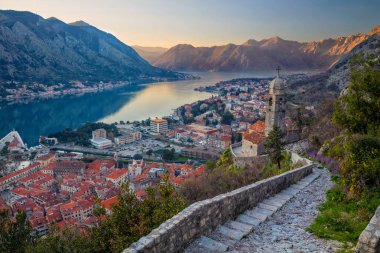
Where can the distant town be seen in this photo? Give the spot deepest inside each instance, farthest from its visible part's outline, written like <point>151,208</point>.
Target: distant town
<point>58,181</point>
<point>16,91</point>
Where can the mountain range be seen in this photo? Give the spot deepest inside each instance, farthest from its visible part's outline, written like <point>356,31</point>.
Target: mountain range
<point>265,54</point>
<point>150,54</point>
<point>48,50</point>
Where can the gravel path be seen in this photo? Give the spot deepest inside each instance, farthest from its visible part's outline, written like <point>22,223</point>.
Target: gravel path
<point>285,230</point>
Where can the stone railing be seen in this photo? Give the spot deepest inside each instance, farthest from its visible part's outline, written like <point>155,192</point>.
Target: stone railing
<point>232,146</point>
<point>204,216</point>
<point>369,240</point>
<point>297,158</point>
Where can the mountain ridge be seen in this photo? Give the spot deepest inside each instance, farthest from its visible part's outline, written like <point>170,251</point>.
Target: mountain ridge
<point>264,54</point>
<point>149,53</point>
<point>34,49</point>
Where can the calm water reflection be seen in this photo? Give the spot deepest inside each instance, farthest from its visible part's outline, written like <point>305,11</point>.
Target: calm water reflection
<point>128,103</point>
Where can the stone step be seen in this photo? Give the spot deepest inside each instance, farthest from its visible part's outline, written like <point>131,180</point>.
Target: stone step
<point>272,203</point>
<point>248,220</point>
<point>268,207</point>
<point>292,188</point>
<point>215,235</point>
<point>289,191</point>
<point>239,226</point>
<point>310,178</point>
<point>303,184</point>
<point>263,211</point>
<point>261,217</point>
<point>296,186</point>
<point>278,200</point>
<point>212,245</point>
<point>284,196</point>
<point>229,232</point>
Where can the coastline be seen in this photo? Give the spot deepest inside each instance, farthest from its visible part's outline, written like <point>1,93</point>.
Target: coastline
<point>108,105</point>
<point>95,88</point>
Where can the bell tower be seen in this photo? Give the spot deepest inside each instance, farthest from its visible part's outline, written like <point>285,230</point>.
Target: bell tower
<point>276,105</point>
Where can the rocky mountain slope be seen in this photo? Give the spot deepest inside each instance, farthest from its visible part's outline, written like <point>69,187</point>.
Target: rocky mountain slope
<point>339,74</point>
<point>48,50</point>
<point>150,53</point>
<point>261,55</point>
<point>312,89</point>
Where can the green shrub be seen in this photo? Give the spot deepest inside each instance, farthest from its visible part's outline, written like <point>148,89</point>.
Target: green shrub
<point>360,169</point>
<point>344,219</point>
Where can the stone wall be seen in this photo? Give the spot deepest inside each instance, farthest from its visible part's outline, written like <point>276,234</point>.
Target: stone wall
<point>204,216</point>
<point>249,162</point>
<point>369,240</point>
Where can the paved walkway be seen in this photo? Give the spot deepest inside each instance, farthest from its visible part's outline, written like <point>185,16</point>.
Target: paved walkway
<point>276,224</point>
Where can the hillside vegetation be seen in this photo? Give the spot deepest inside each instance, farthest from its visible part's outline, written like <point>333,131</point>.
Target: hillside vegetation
<point>352,153</point>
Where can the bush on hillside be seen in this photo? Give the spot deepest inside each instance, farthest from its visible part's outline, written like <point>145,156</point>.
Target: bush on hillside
<point>360,168</point>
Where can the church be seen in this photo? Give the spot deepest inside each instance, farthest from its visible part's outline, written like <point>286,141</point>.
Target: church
<point>275,115</point>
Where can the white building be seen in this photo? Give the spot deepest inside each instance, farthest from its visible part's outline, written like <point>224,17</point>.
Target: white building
<point>136,168</point>
<point>159,126</point>
<point>13,140</point>
<point>101,143</point>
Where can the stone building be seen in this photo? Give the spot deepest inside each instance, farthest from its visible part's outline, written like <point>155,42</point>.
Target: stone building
<point>68,167</point>
<point>275,106</point>
<point>253,140</point>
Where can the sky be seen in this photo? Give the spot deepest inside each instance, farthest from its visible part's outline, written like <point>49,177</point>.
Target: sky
<point>166,23</point>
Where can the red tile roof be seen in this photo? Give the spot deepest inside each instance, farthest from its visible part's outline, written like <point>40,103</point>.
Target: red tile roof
<point>117,173</point>
<point>13,143</point>
<point>19,172</point>
<point>97,164</point>
<point>258,126</point>
<point>254,137</point>
<point>108,203</point>
<point>46,157</point>
<point>140,194</point>
<point>177,180</point>
<point>20,191</point>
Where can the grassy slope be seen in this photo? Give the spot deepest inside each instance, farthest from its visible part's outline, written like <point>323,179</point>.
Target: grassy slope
<point>343,219</point>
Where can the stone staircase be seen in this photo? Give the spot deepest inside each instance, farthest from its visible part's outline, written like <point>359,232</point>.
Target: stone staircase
<point>226,235</point>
